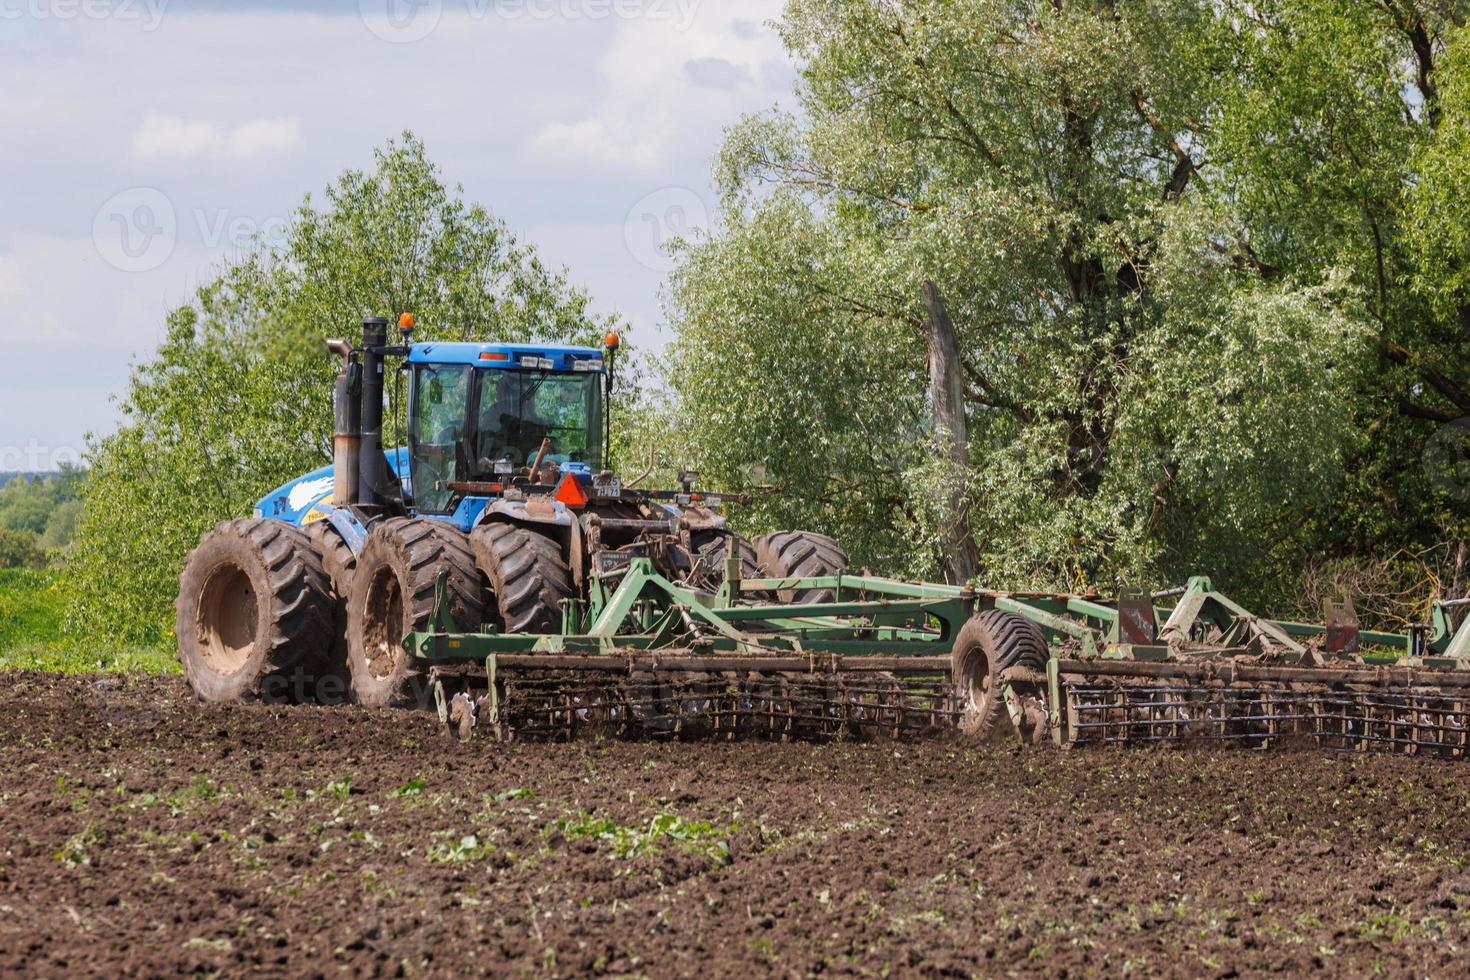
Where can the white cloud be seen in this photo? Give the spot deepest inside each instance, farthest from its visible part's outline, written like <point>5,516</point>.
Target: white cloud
<point>667,85</point>
<point>82,94</point>
<point>33,275</point>
<point>165,137</point>
<point>68,322</point>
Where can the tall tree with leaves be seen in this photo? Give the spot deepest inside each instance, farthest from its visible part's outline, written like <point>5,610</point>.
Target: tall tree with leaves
<point>238,398</point>
<point>1133,377</point>
<point>1342,134</point>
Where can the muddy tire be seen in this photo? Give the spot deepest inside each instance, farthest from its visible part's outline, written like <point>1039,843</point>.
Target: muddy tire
<point>710,552</point>
<point>1018,641</point>
<point>339,563</point>
<point>800,554</point>
<point>254,608</point>
<point>975,672</point>
<point>528,577</point>
<point>392,595</point>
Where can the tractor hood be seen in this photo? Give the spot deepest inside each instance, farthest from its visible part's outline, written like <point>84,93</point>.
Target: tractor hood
<point>307,499</point>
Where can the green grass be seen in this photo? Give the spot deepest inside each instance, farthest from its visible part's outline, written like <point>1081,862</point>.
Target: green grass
<point>31,613</point>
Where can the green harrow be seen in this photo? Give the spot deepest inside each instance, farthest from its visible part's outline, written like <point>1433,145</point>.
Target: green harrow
<point>645,657</point>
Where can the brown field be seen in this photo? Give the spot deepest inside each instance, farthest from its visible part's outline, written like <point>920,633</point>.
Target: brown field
<point>144,833</point>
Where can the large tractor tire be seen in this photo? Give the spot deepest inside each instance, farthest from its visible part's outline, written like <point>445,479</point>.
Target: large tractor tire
<point>339,563</point>
<point>990,642</point>
<point>528,577</point>
<point>801,554</point>
<point>711,550</point>
<point>392,595</point>
<point>254,609</point>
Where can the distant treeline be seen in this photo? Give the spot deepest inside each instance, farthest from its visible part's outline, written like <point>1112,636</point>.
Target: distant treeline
<point>38,516</point>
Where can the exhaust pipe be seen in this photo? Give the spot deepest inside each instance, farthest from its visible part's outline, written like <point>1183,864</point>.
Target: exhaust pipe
<point>347,437</point>
<point>373,486</point>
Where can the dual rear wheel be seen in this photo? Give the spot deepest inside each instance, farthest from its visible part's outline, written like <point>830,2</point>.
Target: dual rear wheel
<point>392,594</point>
<point>269,610</point>
<point>254,613</point>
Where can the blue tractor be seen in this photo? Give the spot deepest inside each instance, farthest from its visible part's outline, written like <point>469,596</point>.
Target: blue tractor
<point>501,497</point>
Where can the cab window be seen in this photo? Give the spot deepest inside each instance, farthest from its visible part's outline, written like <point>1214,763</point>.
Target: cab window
<point>440,400</point>
<point>518,409</point>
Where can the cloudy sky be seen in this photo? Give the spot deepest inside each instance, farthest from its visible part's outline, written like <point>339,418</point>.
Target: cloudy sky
<point>146,141</point>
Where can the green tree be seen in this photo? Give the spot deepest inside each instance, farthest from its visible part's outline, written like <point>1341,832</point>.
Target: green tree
<point>61,525</point>
<point>43,506</point>
<point>237,399</point>
<point>1142,396</point>
<point>1341,138</point>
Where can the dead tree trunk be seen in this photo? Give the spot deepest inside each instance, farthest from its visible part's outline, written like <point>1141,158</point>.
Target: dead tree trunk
<point>961,557</point>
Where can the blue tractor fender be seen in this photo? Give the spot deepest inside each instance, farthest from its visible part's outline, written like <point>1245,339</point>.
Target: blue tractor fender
<point>346,524</point>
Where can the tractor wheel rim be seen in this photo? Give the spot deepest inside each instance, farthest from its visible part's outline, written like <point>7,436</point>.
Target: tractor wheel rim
<point>229,615</point>
<point>384,619</point>
<point>978,690</point>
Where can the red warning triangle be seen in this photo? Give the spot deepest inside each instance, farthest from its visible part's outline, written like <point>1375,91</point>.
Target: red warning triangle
<point>570,492</point>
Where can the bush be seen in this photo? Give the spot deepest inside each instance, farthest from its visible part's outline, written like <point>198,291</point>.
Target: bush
<point>21,549</point>
<point>30,607</point>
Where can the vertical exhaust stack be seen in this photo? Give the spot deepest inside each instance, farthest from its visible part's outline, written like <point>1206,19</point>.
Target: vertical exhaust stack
<point>347,436</point>
<point>372,466</point>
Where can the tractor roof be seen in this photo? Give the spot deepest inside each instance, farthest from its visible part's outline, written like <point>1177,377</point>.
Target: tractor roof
<point>562,358</point>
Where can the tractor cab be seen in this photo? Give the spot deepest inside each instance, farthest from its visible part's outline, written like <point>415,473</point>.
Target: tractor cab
<point>486,415</point>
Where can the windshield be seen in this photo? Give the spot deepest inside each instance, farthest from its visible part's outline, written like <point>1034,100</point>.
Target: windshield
<point>440,400</point>
<point>518,409</point>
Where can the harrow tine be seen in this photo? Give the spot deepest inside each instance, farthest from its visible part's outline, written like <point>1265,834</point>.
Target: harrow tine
<point>1334,716</point>
<point>687,706</point>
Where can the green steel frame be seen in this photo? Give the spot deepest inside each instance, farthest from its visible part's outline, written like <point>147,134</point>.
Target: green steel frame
<point>896,620</point>
<point>905,625</point>
<point>641,621</point>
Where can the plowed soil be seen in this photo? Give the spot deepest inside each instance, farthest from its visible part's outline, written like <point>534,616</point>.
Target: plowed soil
<point>144,833</point>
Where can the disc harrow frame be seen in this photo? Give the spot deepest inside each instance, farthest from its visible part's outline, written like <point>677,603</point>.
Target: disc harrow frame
<point>646,657</point>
